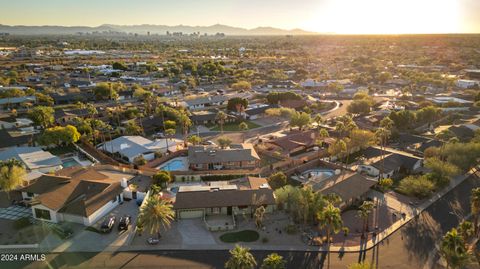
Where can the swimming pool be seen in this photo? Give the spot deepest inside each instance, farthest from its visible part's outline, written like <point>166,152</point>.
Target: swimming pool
<point>177,164</point>
<point>70,162</point>
<point>318,174</point>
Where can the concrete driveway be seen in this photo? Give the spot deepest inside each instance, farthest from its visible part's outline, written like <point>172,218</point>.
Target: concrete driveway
<point>194,232</point>
<point>92,241</point>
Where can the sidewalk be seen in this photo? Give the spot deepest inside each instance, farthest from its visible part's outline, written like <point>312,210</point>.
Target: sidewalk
<point>391,201</point>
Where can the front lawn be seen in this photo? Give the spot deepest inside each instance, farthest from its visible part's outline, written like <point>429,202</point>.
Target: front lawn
<point>233,126</point>
<point>242,236</point>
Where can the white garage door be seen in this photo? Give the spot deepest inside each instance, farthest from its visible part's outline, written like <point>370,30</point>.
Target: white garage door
<point>190,214</point>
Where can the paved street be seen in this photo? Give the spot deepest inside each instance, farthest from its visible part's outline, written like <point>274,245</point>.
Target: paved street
<point>409,247</point>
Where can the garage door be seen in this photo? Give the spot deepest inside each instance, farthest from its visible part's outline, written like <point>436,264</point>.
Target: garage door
<point>190,214</point>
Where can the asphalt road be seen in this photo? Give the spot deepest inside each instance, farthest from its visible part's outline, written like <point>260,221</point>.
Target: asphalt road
<point>409,247</point>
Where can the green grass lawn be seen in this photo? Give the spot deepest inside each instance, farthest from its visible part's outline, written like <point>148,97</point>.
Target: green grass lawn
<point>242,236</point>
<point>233,126</point>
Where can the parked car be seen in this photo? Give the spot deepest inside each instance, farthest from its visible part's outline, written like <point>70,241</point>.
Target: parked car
<point>153,241</point>
<point>124,223</point>
<point>108,224</point>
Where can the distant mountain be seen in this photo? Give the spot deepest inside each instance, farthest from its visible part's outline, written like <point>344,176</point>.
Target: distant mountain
<point>145,28</point>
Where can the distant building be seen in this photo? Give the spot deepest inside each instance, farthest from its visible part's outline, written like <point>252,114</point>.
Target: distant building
<point>466,83</point>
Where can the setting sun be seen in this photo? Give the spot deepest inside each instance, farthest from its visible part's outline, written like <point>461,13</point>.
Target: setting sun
<point>386,17</point>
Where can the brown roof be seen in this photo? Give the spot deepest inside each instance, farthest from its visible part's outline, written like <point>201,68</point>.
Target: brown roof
<point>222,198</point>
<point>81,194</point>
<point>353,186</point>
<point>248,192</point>
<point>83,173</point>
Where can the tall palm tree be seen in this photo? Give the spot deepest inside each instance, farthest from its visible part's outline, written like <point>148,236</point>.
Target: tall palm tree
<point>318,119</point>
<point>453,249</point>
<point>364,212</point>
<point>185,123</point>
<point>382,134</point>
<point>168,134</point>
<point>240,258</point>
<point>330,219</point>
<point>221,118</point>
<point>243,126</point>
<point>155,215</point>
<point>466,230</point>
<point>475,208</point>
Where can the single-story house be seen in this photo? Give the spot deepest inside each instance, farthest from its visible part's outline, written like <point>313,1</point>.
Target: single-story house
<point>236,197</point>
<point>208,117</point>
<point>65,116</point>
<point>17,137</point>
<point>296,142</point>
<point>34,158</point>
<point>198,103</point>
<point>83,196</point>
<point>237,156</point>
<point>390,162</point>
<point>130,147</point>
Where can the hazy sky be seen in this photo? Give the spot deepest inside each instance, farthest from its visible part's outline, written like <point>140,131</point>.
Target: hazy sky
<point>340,16</point>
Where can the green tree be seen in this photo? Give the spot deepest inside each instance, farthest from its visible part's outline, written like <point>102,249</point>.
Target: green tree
<point>224,142</point>
<point>300,120</point>
<point>185,122</point>
<point>132,128</point>
<point>237,104</point>
<point>385,183</point>
<point>259,215</point>
<point>194,139</point>
<point>59,135</point>
<point>243,126</point>
<point>453,249</point>
<point>330,219</point>
<point>359,107</point>
<point>162,178</point>
<point>221,118</point>
<point>170,124</point>
<point>273,261</point>
<point>12,175</point>
<point>242,85</point>
<point>277,180</point>
<point>475,207</point>
<point>105,91</point>
<point>466,229</point>
<point>364,211</point>
<point>155,214</point>
<point>240,258</point>
<point>42,115</point>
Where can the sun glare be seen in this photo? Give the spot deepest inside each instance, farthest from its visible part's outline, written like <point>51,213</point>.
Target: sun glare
<point>386,17</point>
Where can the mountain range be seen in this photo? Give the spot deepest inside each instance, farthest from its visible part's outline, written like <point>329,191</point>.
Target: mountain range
<point>146,28</point>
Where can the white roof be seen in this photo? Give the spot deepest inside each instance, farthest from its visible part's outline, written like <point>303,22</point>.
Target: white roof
<point>132,146</point>
<point>32,157</point>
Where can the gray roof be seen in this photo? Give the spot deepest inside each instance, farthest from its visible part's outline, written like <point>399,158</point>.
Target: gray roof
<point>353,186</point>
<point>395,161</point>
<point>132,146</point>
<point>17,100</point>
<point>206,154</point>
<point>32,157</point>
<point>206,100</point>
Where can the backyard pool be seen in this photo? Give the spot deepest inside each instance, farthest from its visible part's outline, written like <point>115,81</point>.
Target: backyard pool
<point>177,164</point>
<point>318,174</point>
<point>70,162</point>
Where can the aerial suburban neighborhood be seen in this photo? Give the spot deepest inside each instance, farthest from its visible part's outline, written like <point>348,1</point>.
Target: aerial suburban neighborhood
<point>279,149</point>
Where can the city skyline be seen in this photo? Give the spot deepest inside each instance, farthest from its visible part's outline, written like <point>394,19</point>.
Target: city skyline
<point>324,16</point>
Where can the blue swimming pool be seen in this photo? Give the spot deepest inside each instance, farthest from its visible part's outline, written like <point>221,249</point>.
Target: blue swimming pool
<point>70,162</point>
<point>174,165</point>
<point>318,174</point>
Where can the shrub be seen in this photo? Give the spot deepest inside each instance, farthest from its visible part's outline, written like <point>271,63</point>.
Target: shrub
<point>418,186</point>
<point>291,229</point>
<point>241,236</point>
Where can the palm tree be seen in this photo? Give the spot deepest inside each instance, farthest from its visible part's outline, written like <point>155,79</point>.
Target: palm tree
<point>221,118</point>
<point>240,258</point>
<point>453,249</point>
<point>243,126</point>
<point>318,120</point>
<point>186,123</point>
<point>331,220</point>
<point>168,134</point>
<point>364,213</point>
<point>382,135</point>
<point>273,261</point>
<point>154,215</point>
<point>475,208</point>
<point>466,230</point>
<point>259,214</point>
